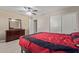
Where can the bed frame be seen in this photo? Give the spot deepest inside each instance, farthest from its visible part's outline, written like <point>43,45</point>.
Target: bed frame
<point>24,50</point>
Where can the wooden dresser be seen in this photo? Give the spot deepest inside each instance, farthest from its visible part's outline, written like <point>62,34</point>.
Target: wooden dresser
<point>14,34</point>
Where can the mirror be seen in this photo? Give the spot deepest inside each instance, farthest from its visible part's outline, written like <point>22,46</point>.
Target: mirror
<point>14,23</point>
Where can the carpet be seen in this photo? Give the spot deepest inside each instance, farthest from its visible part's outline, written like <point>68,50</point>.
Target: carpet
<point>10,47</point>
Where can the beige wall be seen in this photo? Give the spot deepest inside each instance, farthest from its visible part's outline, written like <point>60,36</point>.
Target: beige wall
<point>4,15</point>
<point>44,19</point>
<point>70,9</point>
<point>43,24</point>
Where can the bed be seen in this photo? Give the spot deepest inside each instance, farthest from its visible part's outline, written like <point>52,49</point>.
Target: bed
<point>45,42</point>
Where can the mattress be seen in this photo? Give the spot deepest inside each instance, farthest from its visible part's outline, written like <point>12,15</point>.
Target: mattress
<point>52,42</point>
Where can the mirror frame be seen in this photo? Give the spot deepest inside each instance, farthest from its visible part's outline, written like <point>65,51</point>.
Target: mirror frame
<point>20,24</point>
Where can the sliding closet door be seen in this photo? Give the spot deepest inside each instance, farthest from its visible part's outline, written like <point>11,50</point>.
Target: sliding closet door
<point>55,24</point>
<point>69,24</point>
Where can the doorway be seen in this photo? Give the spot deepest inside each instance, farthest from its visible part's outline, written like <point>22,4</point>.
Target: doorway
<point>35,26</point>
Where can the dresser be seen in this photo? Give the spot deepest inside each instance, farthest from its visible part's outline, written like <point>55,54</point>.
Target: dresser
<point>14,34</point>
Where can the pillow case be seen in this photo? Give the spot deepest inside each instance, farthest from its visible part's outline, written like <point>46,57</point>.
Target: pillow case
<point>75,35</point>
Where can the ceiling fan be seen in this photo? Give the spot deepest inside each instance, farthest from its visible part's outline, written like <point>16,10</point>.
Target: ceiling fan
<point>30,11</point>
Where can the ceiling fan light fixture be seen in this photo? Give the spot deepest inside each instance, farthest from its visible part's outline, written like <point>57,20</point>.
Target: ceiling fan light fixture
<point>29,13</point>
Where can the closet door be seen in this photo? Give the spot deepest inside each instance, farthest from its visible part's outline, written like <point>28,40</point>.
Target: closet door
<point>69,24</point>
<point>55,24</point>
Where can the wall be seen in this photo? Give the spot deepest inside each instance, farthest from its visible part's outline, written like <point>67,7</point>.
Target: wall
<point>4,15</point>
<point>43,24</point>
<point>43,20</point>
<point>70,9</point>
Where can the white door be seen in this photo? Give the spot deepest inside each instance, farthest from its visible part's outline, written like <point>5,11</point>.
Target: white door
<point>69,24</point>
<point>35,26</point>
<point>31,30</point>
<point>32,26</point>
<point>55,24</point>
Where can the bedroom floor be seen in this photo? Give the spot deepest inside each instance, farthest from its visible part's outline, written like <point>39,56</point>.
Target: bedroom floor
<point>10,47</point>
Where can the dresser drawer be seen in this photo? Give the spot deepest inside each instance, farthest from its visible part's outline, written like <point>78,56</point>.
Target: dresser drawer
<point>14,34</point>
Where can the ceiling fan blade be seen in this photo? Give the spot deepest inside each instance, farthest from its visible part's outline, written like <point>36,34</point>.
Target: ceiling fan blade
<point>34,13</point>
<point>35,10</point>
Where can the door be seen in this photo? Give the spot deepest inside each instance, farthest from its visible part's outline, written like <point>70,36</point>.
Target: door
<point>35,26</point>
<point>32,26</point>
<point>55,24</point>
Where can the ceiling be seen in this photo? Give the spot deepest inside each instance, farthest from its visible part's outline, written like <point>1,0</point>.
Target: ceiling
<point>41,9</point>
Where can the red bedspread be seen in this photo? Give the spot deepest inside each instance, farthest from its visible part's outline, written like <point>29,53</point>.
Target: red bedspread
<point>55,38</point>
